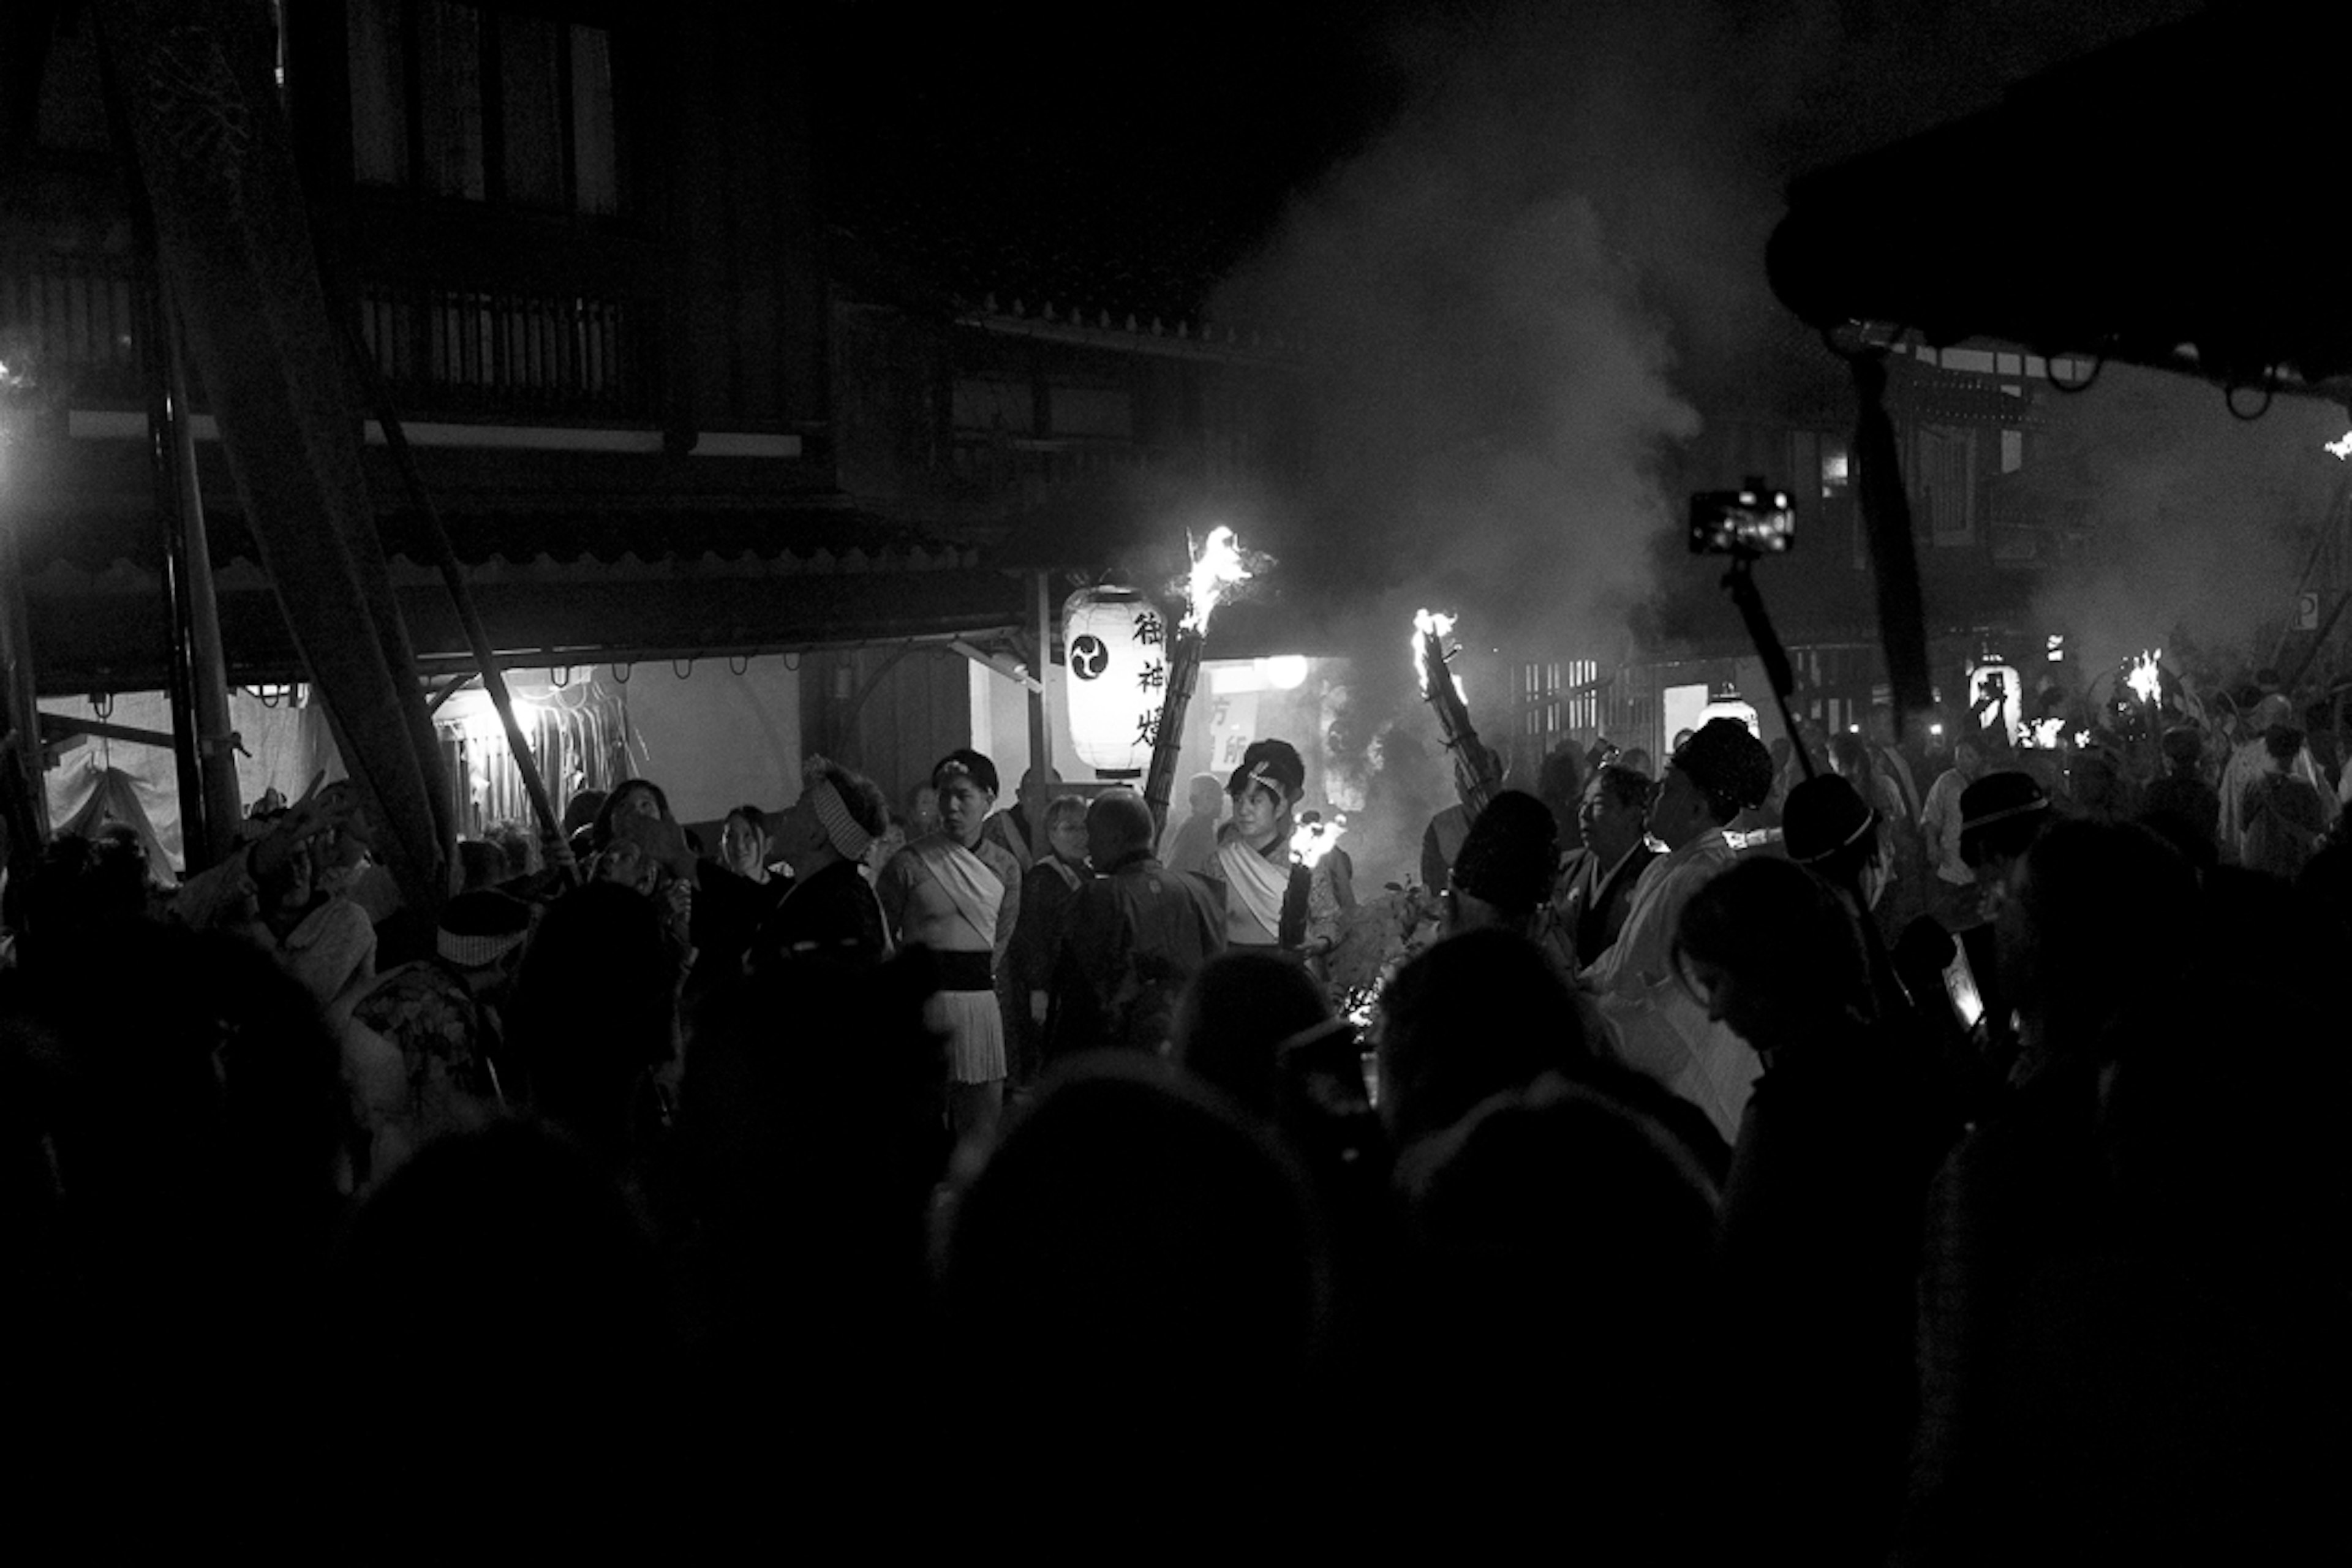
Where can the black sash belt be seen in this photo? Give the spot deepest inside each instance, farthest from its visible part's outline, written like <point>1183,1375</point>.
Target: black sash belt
<point>966,971</point>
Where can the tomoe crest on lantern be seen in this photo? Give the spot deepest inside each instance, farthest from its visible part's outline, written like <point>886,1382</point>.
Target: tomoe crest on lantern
<point>1117,646</point>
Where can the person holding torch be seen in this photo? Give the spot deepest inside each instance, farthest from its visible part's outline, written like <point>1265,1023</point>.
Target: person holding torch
<point>1266,888</point>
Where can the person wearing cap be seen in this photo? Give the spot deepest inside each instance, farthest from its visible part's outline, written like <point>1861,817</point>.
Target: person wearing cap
<point>1830,831</point>
<point>1657,1024</point>
<point>2000,815</point>
<point>958,893</point>
<point>2250,761</point>
<point>826,838</point>
<point>442,1014</point>
<point>1266,888</point>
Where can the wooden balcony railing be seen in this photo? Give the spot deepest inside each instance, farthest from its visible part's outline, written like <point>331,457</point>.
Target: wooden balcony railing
<point>510,355</point>
<point>74,318</point>
<point>443,350</point>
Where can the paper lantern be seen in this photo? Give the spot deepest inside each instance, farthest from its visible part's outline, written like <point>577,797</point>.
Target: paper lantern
<point>1731,706</point>
<point>1116,641</point>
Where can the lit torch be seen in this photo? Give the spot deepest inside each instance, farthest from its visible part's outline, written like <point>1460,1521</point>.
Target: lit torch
<point>1217,566</point>
<point>1313,840</point>
<point>2146,680</point>
<point>1476,771</point>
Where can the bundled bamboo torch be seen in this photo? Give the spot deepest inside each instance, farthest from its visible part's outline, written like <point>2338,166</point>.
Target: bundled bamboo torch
<point>1216,566</point>
<point>1477,772</point>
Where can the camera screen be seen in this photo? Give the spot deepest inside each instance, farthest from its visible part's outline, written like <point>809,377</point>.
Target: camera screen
<point>1742,522</point>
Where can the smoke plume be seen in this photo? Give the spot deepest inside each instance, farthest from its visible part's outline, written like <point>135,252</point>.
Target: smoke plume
<point>2196,524</point>
<point>1490,297</point>
<point>1518,299</point>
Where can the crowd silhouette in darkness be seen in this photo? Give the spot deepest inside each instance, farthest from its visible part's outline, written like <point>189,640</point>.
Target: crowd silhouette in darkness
<point>549,1192</point>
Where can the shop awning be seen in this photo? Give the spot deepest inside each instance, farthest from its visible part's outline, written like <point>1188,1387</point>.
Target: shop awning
<point>2172,201</point>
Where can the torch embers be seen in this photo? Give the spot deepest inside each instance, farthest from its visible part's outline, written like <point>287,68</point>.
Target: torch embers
<point>1476,773</point>
<point>1217,565</point>
<point>1313,840</point>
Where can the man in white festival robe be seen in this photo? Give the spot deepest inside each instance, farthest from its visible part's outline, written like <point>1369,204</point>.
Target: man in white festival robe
<point>958,895</point>
<point>1657,1024</point>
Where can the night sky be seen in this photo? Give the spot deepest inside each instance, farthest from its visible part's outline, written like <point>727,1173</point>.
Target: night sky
<point>1133,157</point>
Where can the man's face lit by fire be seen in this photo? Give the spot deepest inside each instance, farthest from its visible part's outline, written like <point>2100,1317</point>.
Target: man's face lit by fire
<point>1609,828</point>
<point>1257,815</point>
<point>964,807</point>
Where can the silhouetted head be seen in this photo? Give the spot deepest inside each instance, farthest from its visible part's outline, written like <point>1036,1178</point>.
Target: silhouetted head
<point>1722,772</point>
<point>1560,785</point>
<point>1768,950</point>
<point>1828,829</point>
<point>593,1008</point>
<point>2000,815</point>
<point>1507,862</point>
<point>1118,826</point>
<point>1159,1260</point>
<point>1233,1017</point>
<point>505,1259</point>
<point>1472,1016</point>
<point>2091,907</point>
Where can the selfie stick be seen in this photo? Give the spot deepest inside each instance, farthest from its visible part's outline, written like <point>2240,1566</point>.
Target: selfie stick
<point>1740,583</point>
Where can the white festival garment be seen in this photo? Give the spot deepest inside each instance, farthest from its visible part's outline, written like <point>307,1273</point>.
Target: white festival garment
<point>972,1020</point>
<point>1657,1024</point>
<point>976,891</point>
<point>1260,885</point>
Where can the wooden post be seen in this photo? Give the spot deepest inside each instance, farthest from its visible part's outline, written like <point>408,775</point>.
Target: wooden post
<point>1041,730</point>
<point>215,742</point>
<point>22,721</point>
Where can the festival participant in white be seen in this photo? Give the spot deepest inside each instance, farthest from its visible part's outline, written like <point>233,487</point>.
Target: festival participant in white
<point>958,895</point>
<point>1658,1027</point>
<point>1265,888</point>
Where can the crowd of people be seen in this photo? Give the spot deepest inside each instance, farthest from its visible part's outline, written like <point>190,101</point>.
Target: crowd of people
<point>1701,1194</point>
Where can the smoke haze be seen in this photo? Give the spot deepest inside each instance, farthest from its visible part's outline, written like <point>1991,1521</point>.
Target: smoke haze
<point>1518,297</point>
<point>2198,523</point>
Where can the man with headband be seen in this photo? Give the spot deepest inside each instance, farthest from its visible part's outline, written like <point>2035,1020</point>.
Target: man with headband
<point>1266,888</point>
<point>958,894</point>
<point>826,837</point>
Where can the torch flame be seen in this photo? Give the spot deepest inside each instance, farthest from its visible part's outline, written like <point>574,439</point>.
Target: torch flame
<point>1427,623</point>
<point>2341,447</point>
<point>1313,840</point>
<point>2145,676</point>
<point>1216,566</point>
